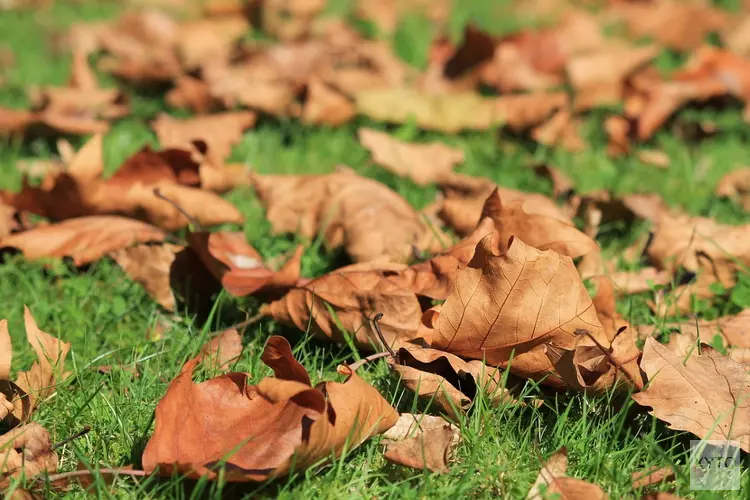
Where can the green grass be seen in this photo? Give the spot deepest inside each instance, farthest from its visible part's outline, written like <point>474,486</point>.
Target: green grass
<point>107,317</point>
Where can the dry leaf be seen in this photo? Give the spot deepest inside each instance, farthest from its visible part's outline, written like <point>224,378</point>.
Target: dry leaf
<point>219,132</point>
<point>326,105</point>
<point>240,268</point>
<point>26,451</point>
<point>150,266</point>
<point>707,394</point>
<point>505,308</point>
<point>736,185</point>
<point>451,381</point>
<point>652,476</point>
<point>85,239</point>
<point>260,432</point>
<point>191,93</point>
<point>426,443</point>
<point>733,330</point>
<point>422,163</point>
<point>222,351</point>
<point>341,305</point>
<point>643,280</point>
<point>451,113</point>
<point>367,218</point>
<point>553,480</point>
<point>541,231</point>
<point>654,158</point>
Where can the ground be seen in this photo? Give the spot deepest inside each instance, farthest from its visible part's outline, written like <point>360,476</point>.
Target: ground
<point>108,318</point>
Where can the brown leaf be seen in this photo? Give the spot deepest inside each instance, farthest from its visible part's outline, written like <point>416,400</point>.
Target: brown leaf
<point>736,185</point>
<point>598,77</point>
<point>240,268</point>
<point>466,196</point>
<point>552,481</point>
<point>260,432</point>
<point>452,113</point>
<point>562,130</point>
<point>40,380</point>
<point>85,239</point>
<point>681,26</point>
<point>541,231</point>
<point>733,330</point>
<point>427,443</point>
<point>422,163</point>
<point>326,105</point>
<point>505,308</point>
<point>191,93</point>
<point>219,132</point>
<point>707,395</point>
<point>367,218</point>
<point>652,476</point>
<point>222,351</point>
<point>654,158</point>
<point>630,282</point>
<point>343,303</point>
<point>451,381</point>
<point>26,451</point>
<point>150,266</point>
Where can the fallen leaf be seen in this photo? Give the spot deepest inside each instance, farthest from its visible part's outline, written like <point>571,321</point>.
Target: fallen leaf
<point>652,476</point>
<point>707,394</point>
<point>598,77</point>
<point>553,480</point>
<point>736,185</point>
<point>85,239</point>
<point>643,280</point>
<point>264,431</point>
<point>222,351</point>
<point>290,20</point>
<point>240,268</point>
<point>505,308</point>
<point>340,306</point>
<point>427,442</point>
<point>733,330</point>
<point>26,451</point>
<point>562,129</point>
<point>325,105</point>
<point>422,163</point>
<point>682,26</point>
<point>219,132</point>
<point>451,381</point>
<point>367,218</point>
<point>150,266</point>
<point>191,93</point>
<point>451,113</point>
<point>654,158</point>
<point>541,231</point>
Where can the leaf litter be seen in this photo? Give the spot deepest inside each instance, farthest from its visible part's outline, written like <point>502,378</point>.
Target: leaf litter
<point>457,320</point>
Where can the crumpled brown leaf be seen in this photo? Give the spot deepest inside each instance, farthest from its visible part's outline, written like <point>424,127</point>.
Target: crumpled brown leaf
<point>450,380</point>
<point>421,442</point>
<point>706,394</point>
<point>541,231</point>
<point>222,351</point>
<point>506,308</point>
<point>343,304</point>
<point>367,218</point>
<point>263,431</point>
<point>27,451</point>
<point>84,239</point>
<point>736,185</point>
<point>240,268</point>
<point>422,163</point>
<point>553,480</point>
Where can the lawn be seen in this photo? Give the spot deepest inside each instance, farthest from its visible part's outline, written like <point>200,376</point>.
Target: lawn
<point>111,320</point>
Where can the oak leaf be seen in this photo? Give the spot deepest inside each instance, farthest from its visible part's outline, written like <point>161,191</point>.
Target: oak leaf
<point>341,305</point>
<point>421,442</point>
<point>506,308</point>
<point>706,394</point>
<point>367,218</point>
<point>264,431</point>
<point>422,163</point>
<point>85,239</point>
